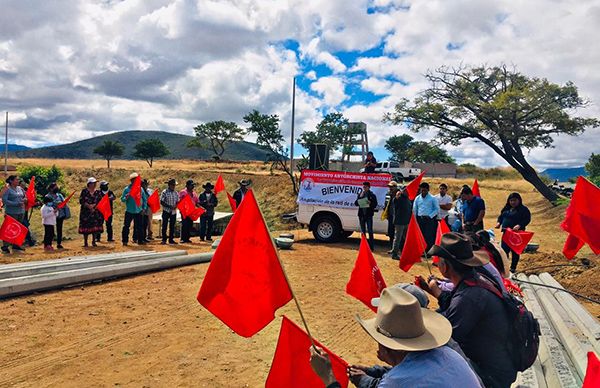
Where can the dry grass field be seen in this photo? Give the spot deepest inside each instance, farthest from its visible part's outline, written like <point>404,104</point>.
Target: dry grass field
<point>149,331</point>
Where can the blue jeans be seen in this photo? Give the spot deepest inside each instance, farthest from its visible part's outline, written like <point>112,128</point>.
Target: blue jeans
<point>366,226</point>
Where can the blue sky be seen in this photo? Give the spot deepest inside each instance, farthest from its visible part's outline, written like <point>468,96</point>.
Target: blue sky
<point>73,70</point>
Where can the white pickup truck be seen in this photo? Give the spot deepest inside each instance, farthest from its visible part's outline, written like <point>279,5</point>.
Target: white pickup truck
<point>398,173</point>
<point>330,224</point>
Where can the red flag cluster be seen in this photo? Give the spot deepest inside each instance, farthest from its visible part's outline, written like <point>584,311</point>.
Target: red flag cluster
<point>12,231</point>
<point>516,240</point>
<point>414,246</point>
<point>104,207</point>
<point>366,281</point>
<point>413,187</point>
<point>291,363</point>
<point>30,194</point>
<point>582,220</point>
<point>245,284</point>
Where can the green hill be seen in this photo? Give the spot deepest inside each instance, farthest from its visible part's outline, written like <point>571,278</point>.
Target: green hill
<point>175,142</point>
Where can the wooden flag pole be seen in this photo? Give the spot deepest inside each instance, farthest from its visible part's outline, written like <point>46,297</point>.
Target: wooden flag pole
<point>287,279</point>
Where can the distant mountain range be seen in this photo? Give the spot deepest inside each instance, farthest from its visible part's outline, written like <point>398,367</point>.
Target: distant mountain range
<point>564,174</point>
<point>14,147</point>
<point>176,143</point>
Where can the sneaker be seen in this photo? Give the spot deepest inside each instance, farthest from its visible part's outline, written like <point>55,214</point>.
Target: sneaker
<point>48,248</point>
<point>125,244</point>
<point>173,242</point>
<point>59,246</point>
<point>163,242</point>
<point>5,250</point>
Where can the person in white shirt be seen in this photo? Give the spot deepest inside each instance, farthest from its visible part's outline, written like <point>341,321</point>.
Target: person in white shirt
<point>49,222</point>
<point>445,202</point>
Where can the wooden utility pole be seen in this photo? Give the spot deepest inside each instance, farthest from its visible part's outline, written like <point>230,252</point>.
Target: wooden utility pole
<point>293,117</point>
<point>6,146</point>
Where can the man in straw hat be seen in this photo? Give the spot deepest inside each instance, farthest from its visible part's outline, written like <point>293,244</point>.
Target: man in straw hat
<point>239,194</point>
<point>411,339</point>
<point>389,211</point>
<point>480,321</point>
<point>208,200</point>
<point>169,198</point>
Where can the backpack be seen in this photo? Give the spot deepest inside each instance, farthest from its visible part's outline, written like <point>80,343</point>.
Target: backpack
<point>524,340</point>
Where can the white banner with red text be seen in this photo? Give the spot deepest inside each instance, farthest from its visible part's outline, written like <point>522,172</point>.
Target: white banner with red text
<point>339,189</point>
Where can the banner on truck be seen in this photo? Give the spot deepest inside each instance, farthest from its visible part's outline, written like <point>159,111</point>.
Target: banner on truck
<point>339,189</point>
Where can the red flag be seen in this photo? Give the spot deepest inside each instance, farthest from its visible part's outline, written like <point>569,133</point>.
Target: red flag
<point>219,185</point>
<point>136,190</point>
<point>30,194</point>
<point>414,246</point>
<point>516,240</point>
<point>413,187</point>
<point>442,229</point>
<point>232,202</point>
<point>592,374</point>
<point>582,219</point>
<point>154,202</point>
<point>291,362</point>
<point>12,231</point>
<point>196,213</point>
<point>104,207</point>
<point>475,189</point>
<point>186,206</point>
<point>245,284</point>
<point>366,281</point>
<point>66,201</point>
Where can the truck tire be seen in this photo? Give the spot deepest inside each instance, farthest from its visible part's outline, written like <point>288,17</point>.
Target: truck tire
<point>326,229</point>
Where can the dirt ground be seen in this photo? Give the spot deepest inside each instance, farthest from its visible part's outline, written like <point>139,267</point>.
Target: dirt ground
<point>149,331</point>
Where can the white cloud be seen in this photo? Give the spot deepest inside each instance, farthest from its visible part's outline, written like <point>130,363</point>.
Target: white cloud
<point>332,90</point>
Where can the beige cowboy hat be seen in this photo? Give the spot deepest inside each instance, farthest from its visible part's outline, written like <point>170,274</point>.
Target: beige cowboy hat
<point>401,323</point>
<point>133,175</point>
<point>457,247</point>
<point>392,184</point>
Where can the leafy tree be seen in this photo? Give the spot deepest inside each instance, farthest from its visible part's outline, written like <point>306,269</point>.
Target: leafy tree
<point>268,135</point>
<point>150,149</point>
<point>109,149</point>
<point>509,112</point>
<point>593,168</point>
<point>404,147</point>
<point>218,133</point>
<point>332,130</point>
<point>43,177</point>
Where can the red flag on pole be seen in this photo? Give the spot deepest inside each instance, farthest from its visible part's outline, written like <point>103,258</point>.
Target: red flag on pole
<point>516,240</point>
<point>136,190</point>
<point>475,189</point>
<point>187,208</point>
<point>104,207</point>
<point>582,219</point>
<point>219,185</point>
<point>366,281</point>
<point>413,187</point>
<point>291,362</point>
<point>592,373</point>
<point>154,202</point>
<point>30,194</point>
<point>66,201</point>
<point>245,284</point>
<point>232,202</point>
<point>12,231</point>
<point>442,229</point>
<point>414,245</point>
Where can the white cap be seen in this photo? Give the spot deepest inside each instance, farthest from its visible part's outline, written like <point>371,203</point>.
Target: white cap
<point>91,180</point>
<point>133,175</point>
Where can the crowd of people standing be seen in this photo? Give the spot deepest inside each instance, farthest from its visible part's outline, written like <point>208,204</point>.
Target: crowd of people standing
<point>137,218</point>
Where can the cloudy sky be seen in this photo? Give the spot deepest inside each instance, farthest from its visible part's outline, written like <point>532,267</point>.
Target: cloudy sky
<point>70,70</point>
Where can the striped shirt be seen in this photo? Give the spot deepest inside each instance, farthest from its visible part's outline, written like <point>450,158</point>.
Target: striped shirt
<point>169,200</point>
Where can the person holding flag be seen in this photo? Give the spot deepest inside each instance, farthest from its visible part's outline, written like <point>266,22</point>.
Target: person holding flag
<point>104,190</point>
<point>516,216</point>
<point>57,201</point>
<point>402,208</point>
<point>14,206</point>
<point>208,200</point>
<point>133,198</point>
<point>169,199</point>
<point>146,212</point>
<point>187,223</point>
<point>90,219</point>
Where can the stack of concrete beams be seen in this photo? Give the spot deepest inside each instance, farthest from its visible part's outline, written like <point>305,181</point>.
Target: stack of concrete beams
<point>24,278</point>
<point>569,332</point>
